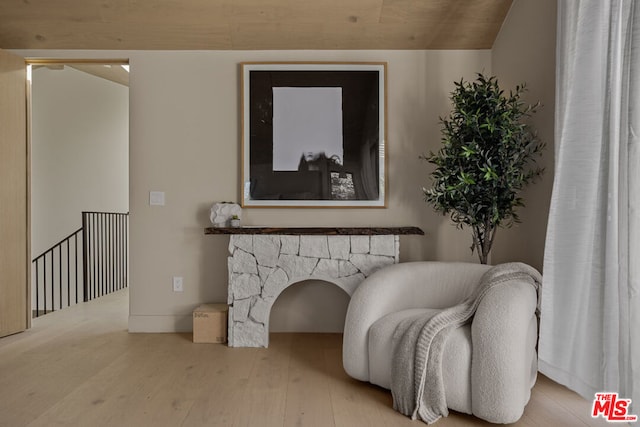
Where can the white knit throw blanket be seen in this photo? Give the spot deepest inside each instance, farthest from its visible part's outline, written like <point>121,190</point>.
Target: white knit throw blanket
<point>417,384</point>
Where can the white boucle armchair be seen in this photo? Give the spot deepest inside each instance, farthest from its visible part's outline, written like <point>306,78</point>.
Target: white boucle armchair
<point>489,365</point>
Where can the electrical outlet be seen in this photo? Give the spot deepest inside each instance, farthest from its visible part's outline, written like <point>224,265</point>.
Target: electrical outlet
<point>178,284</point>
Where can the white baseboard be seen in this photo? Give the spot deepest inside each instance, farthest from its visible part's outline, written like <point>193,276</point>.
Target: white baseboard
<point>160,324</point>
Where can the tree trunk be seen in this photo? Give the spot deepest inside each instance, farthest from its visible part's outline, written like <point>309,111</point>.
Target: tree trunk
<point>483,240</point>
<point>483,257</point>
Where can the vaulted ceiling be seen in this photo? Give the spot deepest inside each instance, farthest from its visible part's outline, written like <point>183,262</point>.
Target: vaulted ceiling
<point>250,24</point>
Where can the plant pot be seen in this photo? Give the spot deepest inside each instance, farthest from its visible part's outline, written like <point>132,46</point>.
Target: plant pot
<point>235,222</point>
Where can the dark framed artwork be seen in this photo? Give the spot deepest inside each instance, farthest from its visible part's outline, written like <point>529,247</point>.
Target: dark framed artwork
<point>313,134</point>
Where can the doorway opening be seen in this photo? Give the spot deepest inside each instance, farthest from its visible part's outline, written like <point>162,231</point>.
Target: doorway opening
<point>78,113</point>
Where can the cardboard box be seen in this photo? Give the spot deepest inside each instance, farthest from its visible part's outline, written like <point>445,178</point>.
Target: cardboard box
<point>210,323</point>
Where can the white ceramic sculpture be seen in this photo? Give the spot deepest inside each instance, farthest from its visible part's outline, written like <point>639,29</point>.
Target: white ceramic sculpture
<point>221,213</point>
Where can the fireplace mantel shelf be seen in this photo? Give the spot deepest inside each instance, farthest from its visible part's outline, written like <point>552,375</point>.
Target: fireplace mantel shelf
<point>319,231</point>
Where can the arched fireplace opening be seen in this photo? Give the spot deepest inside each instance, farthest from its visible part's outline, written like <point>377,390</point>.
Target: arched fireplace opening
<point>311,306</point>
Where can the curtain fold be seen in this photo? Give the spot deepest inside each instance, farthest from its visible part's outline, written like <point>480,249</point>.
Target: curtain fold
<point>590,321</point>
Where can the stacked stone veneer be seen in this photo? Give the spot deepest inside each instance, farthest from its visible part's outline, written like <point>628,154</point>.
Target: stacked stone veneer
<point>262,266</point>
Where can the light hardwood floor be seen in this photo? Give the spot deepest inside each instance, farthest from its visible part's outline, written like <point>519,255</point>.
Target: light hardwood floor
<point>80,367</point>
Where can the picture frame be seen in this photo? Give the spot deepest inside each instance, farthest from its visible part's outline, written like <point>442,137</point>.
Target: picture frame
<point>313,134</point>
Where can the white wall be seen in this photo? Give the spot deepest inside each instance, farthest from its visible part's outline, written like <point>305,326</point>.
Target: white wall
<point>185,139</point>
<point>524,51</point>
<point>80,152</point>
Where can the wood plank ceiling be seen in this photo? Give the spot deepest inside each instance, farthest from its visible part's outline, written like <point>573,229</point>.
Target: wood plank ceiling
<point>250,24</point>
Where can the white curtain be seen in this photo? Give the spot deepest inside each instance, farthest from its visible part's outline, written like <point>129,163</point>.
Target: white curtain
<point>590,321</point>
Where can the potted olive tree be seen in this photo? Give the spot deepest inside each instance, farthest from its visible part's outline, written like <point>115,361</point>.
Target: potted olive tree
<point>488,156</point>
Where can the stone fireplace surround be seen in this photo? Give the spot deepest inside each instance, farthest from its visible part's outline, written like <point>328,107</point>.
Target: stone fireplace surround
<point>263,262</point>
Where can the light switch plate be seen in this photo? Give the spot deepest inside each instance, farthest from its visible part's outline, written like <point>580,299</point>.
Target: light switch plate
<point>156,198</point>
